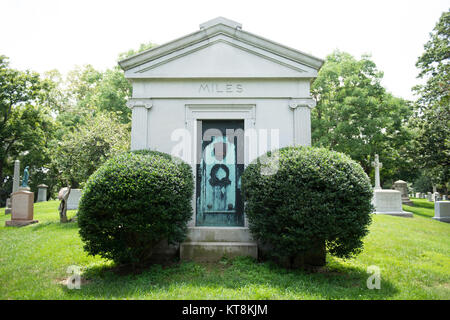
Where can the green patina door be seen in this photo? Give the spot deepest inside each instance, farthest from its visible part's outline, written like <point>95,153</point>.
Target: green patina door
<point>220,163</point>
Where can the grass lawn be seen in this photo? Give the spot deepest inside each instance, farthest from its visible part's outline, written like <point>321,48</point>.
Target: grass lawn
<point>412,253</point>
<point>422,207</point>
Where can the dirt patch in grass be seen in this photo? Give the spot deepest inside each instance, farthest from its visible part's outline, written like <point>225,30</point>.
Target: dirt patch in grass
<point>65,281</point>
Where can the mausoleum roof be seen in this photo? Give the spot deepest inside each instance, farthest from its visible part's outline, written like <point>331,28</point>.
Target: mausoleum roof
<point>224,33</point>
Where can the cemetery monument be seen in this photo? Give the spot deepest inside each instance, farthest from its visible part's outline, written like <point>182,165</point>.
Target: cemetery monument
<point>15,187</point>
<point>402,186</point>
<point>442,211</point>
<point>22,210</point>
<point>42,193</point>
<point>386,201</point>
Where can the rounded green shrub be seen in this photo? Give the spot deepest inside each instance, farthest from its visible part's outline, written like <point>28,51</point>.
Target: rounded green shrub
<point>299,197</point>
<point>134,201</point>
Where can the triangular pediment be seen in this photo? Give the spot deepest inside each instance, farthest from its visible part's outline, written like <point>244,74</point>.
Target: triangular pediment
<point>220,51</point>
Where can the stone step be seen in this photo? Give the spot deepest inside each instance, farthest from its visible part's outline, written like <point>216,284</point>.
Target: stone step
<point>214,251</point>
<point>219,234</point>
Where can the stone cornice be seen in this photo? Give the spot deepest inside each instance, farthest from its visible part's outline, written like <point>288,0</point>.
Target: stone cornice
<point>146,103</point>
<point>304,102</point>
<point>210,29</point>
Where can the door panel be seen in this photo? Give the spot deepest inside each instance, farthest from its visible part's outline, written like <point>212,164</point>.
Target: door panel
<point>219,169</point>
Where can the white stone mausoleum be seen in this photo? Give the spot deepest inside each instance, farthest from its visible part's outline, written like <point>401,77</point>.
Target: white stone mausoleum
<point>218,98</point>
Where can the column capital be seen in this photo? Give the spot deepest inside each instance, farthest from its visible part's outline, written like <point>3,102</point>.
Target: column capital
<point>146,103</point>
<point>302,102</point>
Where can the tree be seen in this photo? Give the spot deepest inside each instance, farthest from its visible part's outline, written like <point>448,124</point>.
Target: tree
<point>433,119</point>
<point>80,152</point>
<point>88,100</point>
<point>355,115</point>
<point>112,93</point>
<point>132,52</point>
<point>26,125</point>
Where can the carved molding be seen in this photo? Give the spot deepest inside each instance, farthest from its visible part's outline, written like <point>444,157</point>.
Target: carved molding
<point>306,102</point>
<point>146,103</point>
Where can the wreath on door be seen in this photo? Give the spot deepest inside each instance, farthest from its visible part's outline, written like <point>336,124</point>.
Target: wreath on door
<point>214,181</point>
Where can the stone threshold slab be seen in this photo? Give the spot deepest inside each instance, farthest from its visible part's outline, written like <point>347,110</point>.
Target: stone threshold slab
<point>214,251</point>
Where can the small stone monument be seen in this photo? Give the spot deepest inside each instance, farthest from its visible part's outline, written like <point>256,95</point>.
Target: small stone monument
<point>402,186</point>
<point>386,201</point>
<point>22,209</point>
<point>42,193</point>
<point>74,199</point>
<point>442,211</point>
<point>15,187</point>
<point>8,206</point>
<point>16,177</point>
<point>378,165</point>
<point>429,197</point>
<point>418,195</point>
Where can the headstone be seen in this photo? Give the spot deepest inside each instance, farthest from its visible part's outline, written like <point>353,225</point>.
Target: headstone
<point>8,206</point>
<point>74,199</point>
<point>442,211</point>
<point>389,202</point>
<point>22,209</point>
<point>377,164</point>
<point>444,197</point>
<point>429,196</point>
<point>42,193</point>
<point>437,197</point>
<point>402,186</point>
<point>417,194</point>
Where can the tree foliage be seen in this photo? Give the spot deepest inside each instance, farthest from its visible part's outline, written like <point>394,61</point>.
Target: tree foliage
<point>142,47</point>
<point>433,119</point>
<point>313,196</point>
<point>133,202</point>
<point>81,151</point>
<point>26,126</point>
<point>355,114</point>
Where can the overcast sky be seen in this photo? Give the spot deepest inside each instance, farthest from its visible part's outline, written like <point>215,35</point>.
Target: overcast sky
<point>42,35</point>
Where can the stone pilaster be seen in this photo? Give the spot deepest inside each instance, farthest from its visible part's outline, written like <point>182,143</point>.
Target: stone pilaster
<point>139,119</point>
<point>302,120</point>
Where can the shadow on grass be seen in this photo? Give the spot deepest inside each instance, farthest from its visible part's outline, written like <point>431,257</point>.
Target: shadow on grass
<point>420,211</point>
<point>423,203</point>
<point>248,278</point>
<point>57,224</point>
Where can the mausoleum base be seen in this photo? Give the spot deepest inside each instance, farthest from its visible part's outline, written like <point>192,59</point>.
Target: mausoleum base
<point>389,202</point>
<point>210,244</point>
